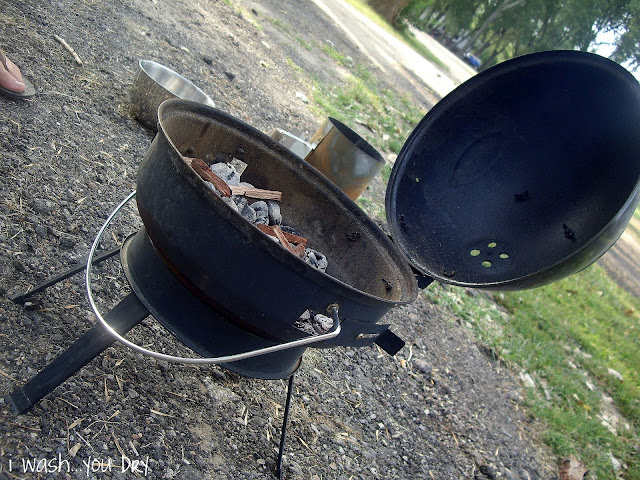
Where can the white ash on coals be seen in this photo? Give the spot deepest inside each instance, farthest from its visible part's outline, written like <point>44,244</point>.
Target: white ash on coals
<point>257,211</point>
<point>314,323</point>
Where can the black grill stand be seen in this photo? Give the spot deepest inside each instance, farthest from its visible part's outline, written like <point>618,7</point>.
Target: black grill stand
<point>128,313</point>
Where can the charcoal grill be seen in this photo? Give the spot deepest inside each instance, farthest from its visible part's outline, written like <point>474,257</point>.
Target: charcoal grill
<point>524,174</point>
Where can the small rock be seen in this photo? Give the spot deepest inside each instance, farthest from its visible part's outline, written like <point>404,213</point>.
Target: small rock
<point>42,206</point>
<point>617,464</point>
<point>41,231</point>
<point>230,75</point>
<point>208,60</point>
<point>302,97</point>
<point>527,380</point>
<point>421,365</point>
<point>488,472</point>
<point>615,374</point>
<point>67,242</point>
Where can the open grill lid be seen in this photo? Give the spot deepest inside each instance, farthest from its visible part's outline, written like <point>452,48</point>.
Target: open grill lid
<point>524,174</point>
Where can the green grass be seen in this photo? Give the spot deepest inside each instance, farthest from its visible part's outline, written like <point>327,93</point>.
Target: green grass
<point>567,336</point>
<point>385,172</point>
<point>306,45</point>
<point>339,58</point>
<point>361,100</point>
<point>280,25</point>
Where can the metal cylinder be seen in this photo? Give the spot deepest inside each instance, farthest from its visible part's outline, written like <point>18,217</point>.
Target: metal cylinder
<point>344,157</point>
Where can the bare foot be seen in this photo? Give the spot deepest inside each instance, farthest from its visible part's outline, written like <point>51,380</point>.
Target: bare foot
<point>10,76</point>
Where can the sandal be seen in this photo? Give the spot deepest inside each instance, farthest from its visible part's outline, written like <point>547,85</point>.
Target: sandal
<point>29,90</point>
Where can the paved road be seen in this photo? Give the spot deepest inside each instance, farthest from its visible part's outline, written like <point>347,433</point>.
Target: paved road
<point>391,54</point>
<point>622,262</point>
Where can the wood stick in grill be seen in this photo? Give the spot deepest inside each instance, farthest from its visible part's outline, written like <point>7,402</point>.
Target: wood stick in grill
<point>291,238</point>
<point>202,169</point>
<point>257,193</point>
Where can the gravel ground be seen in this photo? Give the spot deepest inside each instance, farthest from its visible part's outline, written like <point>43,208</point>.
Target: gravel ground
<point>443,408</point>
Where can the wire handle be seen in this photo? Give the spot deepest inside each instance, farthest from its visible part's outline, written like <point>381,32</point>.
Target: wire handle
<point>332,309</point>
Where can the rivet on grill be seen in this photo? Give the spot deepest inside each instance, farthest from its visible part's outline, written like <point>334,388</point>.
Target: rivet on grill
<point>353,236</point>
<point>387,284</point>
<point>568,233</point>
<point>449,273</point>
<point>240,151</point>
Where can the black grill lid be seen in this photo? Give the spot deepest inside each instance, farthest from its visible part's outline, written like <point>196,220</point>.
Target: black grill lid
<point>524,174</point>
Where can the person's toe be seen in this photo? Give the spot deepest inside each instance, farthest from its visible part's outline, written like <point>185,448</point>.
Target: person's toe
<point>10,77</point>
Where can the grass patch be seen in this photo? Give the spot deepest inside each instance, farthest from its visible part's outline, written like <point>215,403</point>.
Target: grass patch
<point>306,45</point>
<point>335,55</point>
<point>385,173</point>
<point>280,25</point>
<point>567,336</point>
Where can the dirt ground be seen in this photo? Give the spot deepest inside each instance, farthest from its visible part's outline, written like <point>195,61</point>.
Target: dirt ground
<point>442,408</point>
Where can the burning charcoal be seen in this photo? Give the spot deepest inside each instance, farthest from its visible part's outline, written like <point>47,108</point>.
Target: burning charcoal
<point>288,229</point>
<point>304,323</point>
<point>231,203</point>
<point>315,259</point>
<point>244,209</point>
<point>226,173</point>
<point>213,188</point>
<point>238,165</point>
<point>262,212</point>
<point>321,323</point>
<point>275,217</point>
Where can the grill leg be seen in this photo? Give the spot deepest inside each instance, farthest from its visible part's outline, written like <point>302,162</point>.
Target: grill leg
<point>20,297</point>
<point>124,316</point>
<point>285,422</point>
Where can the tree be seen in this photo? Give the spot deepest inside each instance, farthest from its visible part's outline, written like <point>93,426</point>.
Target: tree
<point>500,29</point>
<point>389,9</point>
<point>499,10</point>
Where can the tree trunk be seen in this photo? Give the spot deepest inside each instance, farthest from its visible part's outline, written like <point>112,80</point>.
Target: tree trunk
<point>389,9</point>
<point>505,5</point>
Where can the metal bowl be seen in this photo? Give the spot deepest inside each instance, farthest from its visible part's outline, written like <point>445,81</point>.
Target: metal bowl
<point>156,83</point>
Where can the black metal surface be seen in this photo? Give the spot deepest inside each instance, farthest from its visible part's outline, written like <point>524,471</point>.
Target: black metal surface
<point>285,423</point>
<point>20,297</point>
<point>524,174</point>
<point>122,318</point>
<point>194,322</point>
<point>235,267</point>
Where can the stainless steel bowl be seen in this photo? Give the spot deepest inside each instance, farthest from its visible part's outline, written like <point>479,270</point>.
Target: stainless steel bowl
<point>156,83</point>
